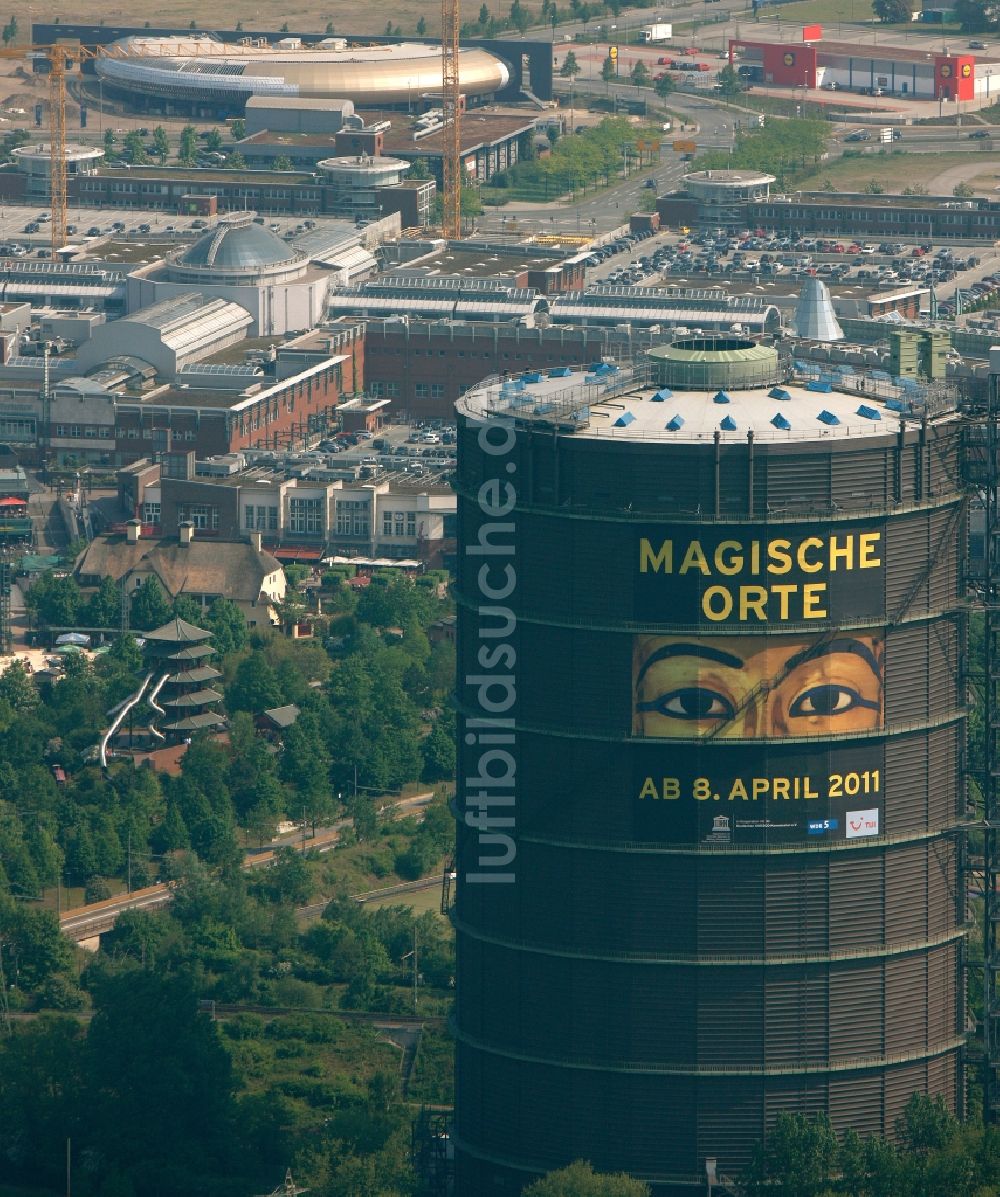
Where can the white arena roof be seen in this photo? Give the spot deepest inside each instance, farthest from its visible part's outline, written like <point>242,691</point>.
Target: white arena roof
<point>202,67</point>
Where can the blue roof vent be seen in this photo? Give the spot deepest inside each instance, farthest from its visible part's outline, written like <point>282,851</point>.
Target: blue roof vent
<point>662,394</point>
<point>778,393</point>
<point>531,377</point>
<point>624,420</point>
<point>779,421</point>
<point>561,372</point>
<point>675,424</point>
<point>827,417</point>
<point>815,384</point>
<point>728,424</point>
<point>869,413</point>
<point>720,397</point>
<point>895,405</point>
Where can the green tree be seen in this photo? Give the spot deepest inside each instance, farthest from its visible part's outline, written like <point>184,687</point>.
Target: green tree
<point>228,626</point>
<point>421,28</point>
<point>892,12</point>
<point>640,75</point>
<point>159,1082</point>
<point>236,161</point>
<point>213,140</point>
<point>580,1180</point>
<point>126,653</point>
<point>10,31</point>
<point>33,947</point>
<point>17,688</point>
<point>135,149</point>
<point>729,82</point>
<point>329,31</point>
<point>238,128</point>
<point>570,67</point>
<point>797,1160</point>
<point>254,687</point>
<point>438,750</point>
<point>55,601</point>
<point>40,1083</point>
<point>266,807</point>
<point>289,879</point>
<point>608,71</point>
<point>283,162</point>
<point>186,608</point>
<point>520,18</point>
<point>150,606</point>
<point>962,191</point>
<point>104,607</point>
<point>471,204</point>
<point>664,85</point>
<point>188,146</point>
<point>874,187</point>
<point>305,766</point>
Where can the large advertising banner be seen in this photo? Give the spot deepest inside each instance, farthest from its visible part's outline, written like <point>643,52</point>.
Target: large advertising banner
<point>745,665</point>
<point>759,794</point>
<point>758,576</point>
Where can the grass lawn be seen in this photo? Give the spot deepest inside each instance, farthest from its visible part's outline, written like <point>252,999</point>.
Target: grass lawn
<point>418,900</point>
<point>827,12</point>
<point>893,170</point>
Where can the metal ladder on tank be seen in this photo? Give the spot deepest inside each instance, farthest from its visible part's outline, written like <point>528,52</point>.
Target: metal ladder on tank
<point>987,770</point>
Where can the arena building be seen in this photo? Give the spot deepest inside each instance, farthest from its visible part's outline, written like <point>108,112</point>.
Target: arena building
<point>710,731</point>
<point>199,69</point>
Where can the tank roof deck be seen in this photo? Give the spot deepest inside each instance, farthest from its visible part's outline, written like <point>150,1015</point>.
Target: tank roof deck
<point>614,402</point>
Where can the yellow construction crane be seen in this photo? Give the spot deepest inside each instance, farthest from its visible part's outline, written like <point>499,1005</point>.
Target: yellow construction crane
<point>61,57</point>
<point>451,156</point>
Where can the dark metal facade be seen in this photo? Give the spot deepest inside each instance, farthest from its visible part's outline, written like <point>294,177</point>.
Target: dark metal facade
<point>649,987</point>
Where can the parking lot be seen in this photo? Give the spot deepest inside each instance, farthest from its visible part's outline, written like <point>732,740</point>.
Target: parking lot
<point>423,453</point>
<point>114,222</point>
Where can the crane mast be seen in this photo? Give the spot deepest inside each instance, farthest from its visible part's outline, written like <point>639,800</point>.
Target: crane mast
<point>451,158</point>
<point>57,143</point>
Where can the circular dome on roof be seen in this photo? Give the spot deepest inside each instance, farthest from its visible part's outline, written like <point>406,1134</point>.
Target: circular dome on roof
<point>236,242</point>
<point>237,249</point>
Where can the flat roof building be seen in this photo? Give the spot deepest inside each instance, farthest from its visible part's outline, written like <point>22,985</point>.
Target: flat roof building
<point>811,62</point>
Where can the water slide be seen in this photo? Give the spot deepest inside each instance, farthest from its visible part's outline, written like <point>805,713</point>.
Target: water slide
<point>119,718</point>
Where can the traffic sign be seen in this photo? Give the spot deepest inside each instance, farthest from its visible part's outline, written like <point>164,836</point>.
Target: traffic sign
<point>685,147</point>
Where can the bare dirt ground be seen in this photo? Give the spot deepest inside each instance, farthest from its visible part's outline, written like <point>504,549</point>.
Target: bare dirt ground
<point>348,16</point>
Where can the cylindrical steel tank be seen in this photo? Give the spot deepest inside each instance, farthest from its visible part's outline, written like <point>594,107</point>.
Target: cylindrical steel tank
<point>709,811</point>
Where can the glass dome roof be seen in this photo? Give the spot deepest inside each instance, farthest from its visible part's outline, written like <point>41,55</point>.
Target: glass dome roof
<point>238,244</point>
